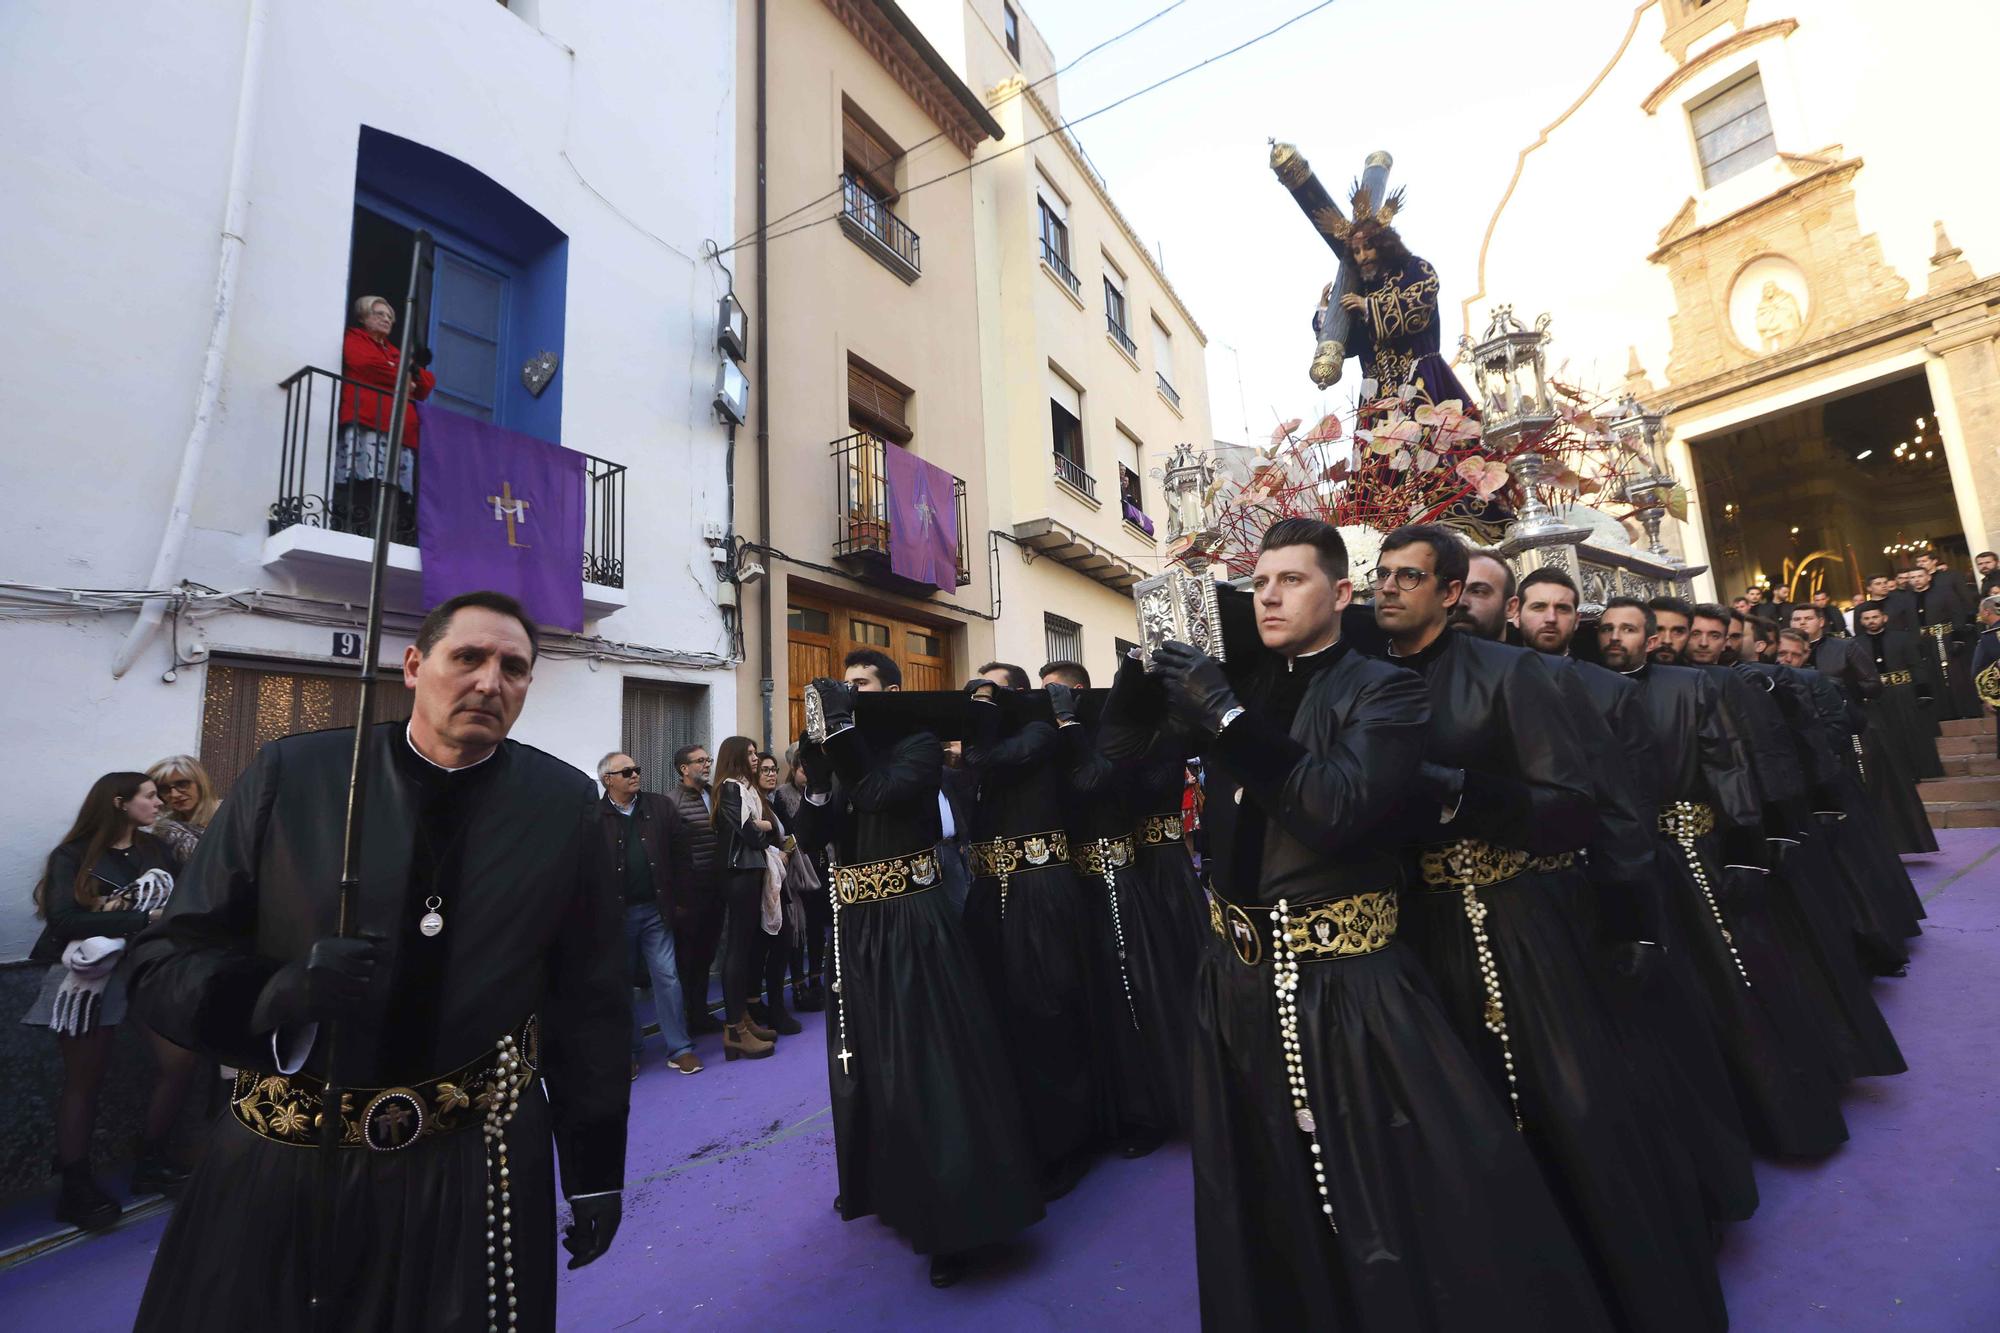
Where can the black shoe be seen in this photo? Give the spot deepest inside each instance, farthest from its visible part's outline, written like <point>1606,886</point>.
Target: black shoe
<point>836,1202</point>
<point>157,1173</point>
<point>1137,1143</point>
<point>1061,1178</point>
<point>81,1203</point>
<point>807,1000</point>
<point>703,1024</point>
<point>947,1269</point>
<point>782,1023</point>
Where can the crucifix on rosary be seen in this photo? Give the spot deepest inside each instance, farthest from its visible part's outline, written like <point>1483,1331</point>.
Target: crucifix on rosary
<point>844,1056</point>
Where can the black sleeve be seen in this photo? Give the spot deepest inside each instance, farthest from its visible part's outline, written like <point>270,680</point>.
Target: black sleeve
<point>1545,806</point>
<point>1364,776</point>
<point>1088,770</point>
<point>196,975</point>
<point>1725,765</point>
<point>586,1023</point>
<point>69,920</point>
<point>1621,851</point>
<point>913,770</point>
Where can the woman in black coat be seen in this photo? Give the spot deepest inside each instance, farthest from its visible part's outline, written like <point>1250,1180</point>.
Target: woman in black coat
<point>744,829</point>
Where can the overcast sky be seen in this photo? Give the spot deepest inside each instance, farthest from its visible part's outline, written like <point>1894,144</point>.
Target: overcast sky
<point>1451,88</point>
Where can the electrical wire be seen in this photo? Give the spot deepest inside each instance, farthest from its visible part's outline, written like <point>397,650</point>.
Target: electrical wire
<point>1059,129</point>
<point>1012,93</point>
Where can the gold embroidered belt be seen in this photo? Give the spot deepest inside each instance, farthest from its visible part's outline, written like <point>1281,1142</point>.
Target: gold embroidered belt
<point>1684,821</point>
<point>1101,856</point>
<point>891,877</point>
<point>1478,863</point>
<point>1159,829</point>
<point>285,1108</point>
<point>1002,857</point>
<point>1348,927</point>
<point>1898,678</point>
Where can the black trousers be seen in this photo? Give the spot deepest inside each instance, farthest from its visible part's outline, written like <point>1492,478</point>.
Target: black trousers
<point>697,933</point>
<point>743,960</point>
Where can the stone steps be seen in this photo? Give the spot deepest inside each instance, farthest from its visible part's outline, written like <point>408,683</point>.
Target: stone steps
<point>1968,796</point>
<point>1949,745</point>
<point>1968,726</point>
<point>1970,765</point>
<point>1964,814</point>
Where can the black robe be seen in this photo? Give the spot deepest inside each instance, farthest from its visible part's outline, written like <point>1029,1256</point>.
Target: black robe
<point>1671,1035</point>
<point>1145,956</point>
<point>1612,1157</point>
<point>927,1127</point>
<point>1034,941</point>
<point>1985,671</point>
<point>1863,831</point>
<point>1444,1222</point>
<point>1946,619</point>
<point>1776,1056</point>
<point>1906,708</point>
<point>533,926</point>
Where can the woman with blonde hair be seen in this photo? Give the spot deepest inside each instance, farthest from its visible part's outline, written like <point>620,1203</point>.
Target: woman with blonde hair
<point>190,801</point>
<point>103,883</point>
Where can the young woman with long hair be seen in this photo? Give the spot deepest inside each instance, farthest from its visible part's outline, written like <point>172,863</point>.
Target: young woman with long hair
<point>743,830</point>
<point>103,883</point>
<point>791,907</point>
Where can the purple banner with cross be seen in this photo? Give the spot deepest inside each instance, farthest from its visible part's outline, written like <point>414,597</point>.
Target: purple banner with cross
<point>923,519</point>
<point>503,511</point>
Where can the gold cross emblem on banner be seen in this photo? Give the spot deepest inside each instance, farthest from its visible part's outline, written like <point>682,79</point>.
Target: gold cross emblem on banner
<point>510,508</point>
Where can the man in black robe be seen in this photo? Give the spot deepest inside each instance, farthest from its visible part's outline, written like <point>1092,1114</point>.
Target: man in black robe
<point>1946,617</point>
<point>1890,786</point>
<point>487,949</point>
<point>1500,921</point>
<point>1417,1205</point>
<point>1896,601</point>
<point>1986,660</point>
<point>1712,815</point>
<point>927,1125</point>
<point>1676,1045</point>
<point>1906,695</point>
<point>1835,618</point>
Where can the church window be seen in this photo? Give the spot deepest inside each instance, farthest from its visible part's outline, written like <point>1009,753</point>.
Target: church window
<point>1732,129</point>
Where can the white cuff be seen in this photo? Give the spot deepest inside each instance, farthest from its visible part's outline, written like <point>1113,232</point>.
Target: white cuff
<point>291,1045</point>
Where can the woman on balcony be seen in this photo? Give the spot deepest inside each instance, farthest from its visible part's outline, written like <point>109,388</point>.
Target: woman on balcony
<point>368,365</point>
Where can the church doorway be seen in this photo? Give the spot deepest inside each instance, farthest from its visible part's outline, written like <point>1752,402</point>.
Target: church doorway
<point>1819,496</point>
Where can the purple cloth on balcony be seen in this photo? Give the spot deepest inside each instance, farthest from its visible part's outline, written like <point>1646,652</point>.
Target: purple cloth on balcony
<point>500,510</point>
<point>923,519</point>
<point>1137,518</point>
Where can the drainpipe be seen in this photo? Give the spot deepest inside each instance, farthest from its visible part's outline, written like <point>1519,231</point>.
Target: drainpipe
<point>166,565</point>
<point>762,336</point>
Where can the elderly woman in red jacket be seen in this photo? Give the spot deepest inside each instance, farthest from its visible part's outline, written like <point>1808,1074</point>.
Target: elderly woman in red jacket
<point>368,363</point>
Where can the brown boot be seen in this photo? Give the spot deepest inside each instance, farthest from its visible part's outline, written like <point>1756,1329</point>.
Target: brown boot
<point>738,1040</point>
<point>759,1030</point>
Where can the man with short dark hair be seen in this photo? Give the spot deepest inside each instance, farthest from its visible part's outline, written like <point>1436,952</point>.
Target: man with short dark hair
<point>1511,792</point>
<point>483,966</point>
<point>1672,617</point>
<point>698,896</point>
<point>927,1125</point>
<point>647,858</point>
<point>1907,689</point>
<point>1986,660</point>
<point>1311,770</point>
<point>1946,617</point>
<point>1741,603</point>
<point>1986,573</point>
<point>1006,675</point>
<point>1836,620</point>
<point>1067,673</point>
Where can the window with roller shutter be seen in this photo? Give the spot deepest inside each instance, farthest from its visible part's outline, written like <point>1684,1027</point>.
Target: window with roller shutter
<point>876,403</point>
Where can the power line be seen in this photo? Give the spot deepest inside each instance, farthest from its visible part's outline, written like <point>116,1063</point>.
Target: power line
<point>1011,95</point>
<point>1064,126</point>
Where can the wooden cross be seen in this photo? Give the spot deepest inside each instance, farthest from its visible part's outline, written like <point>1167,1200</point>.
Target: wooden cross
<point>513,510</point>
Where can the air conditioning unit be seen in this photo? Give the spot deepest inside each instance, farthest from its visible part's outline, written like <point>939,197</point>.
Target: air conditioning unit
<point>732,393</point>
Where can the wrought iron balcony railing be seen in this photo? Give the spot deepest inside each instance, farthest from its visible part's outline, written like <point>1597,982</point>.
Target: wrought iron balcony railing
<point>310,493</point>
<point>1070,471</point>
<point>1167,390</point>
<point>1053,258</point>
<point>1123,339</point>
<point>862,518</point>
<point>868,221</point>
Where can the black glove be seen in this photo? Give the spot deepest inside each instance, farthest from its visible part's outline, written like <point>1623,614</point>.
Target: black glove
<point>1062,699</point>
<point>981,690</point>
<point>331,983</point>
<point>1441,784</point>
<point>836,703</point>
<point>596,1222</point>
<point>1637,961</point>
<point>420,357</point>
<point>819,769</point>
<point>1197,691</point>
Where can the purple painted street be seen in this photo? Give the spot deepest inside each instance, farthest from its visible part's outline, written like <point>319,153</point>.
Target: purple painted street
<point>729,1221</point>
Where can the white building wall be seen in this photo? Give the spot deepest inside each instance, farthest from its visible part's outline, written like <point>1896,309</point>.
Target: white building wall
<point>612,118</point>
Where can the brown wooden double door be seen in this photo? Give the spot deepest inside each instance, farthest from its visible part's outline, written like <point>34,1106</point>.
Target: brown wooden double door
<point>820,632</point>
<point>246,704</point>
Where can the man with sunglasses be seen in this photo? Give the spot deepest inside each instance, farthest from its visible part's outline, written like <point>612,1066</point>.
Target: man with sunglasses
<point>1501,916</point>
<point>648,858</point>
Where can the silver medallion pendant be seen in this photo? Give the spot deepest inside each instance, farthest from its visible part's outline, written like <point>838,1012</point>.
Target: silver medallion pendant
<point>432,922</point>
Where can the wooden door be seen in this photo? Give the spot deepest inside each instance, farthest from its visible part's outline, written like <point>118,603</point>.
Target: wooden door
<point>245,706</point>
<point>820,633</point>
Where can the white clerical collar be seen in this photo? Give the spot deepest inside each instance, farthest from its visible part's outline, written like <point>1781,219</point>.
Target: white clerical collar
<point>1291,663</point>
<point>412,743</point>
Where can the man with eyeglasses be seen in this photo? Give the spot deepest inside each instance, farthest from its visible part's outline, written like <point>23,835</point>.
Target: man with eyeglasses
<point>1511,801</point>
<point>1349,1168</point>
<point>648,858</point>
<point>697,918</point>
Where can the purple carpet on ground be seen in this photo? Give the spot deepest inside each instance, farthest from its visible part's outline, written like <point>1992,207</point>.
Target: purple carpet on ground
<point>729,1221</point>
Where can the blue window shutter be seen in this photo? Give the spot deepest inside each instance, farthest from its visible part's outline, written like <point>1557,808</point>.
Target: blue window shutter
<point>468,331</point>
